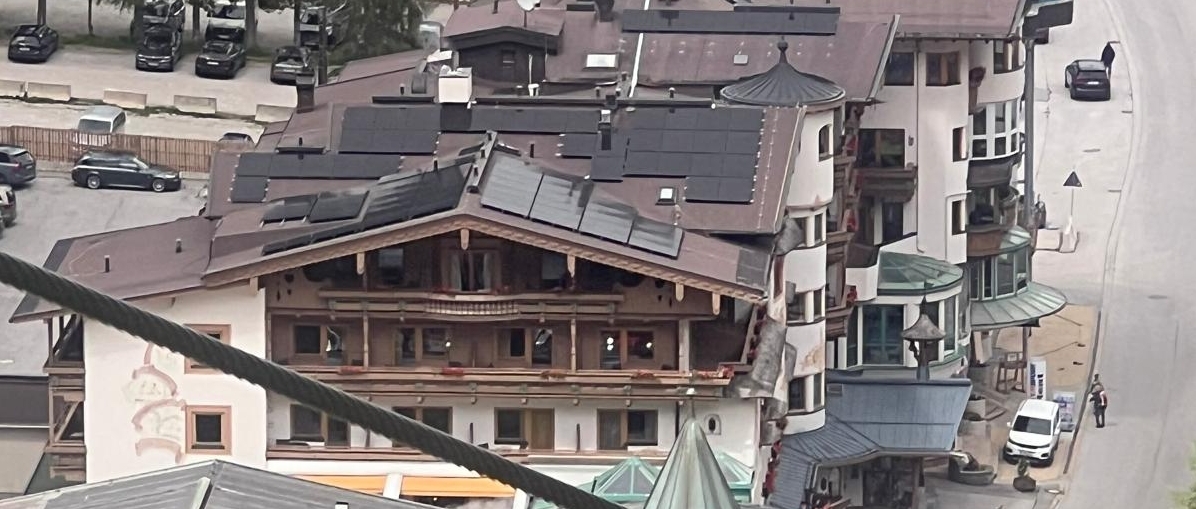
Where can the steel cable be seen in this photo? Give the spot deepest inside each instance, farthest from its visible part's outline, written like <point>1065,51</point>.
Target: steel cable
<point>281,380</point>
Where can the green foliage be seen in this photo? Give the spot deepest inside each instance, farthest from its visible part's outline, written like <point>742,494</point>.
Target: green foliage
<point>378,27</point>
<point>1187,499</point>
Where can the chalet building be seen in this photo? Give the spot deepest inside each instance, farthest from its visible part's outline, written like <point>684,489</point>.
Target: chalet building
<point>571,230</point>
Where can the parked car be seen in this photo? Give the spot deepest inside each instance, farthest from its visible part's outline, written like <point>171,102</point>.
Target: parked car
<point>288,61</point>
<point>8,207</point>
<point>226,21</point>
<point>172,13</point>
<point>1034,432</point>
<point>220,58</point>
<point>309,26</point>
<point>160,49</point>
<point>17,165</point>
<point>1087,79</point>
<point>32,44</point>
<point>115,169</point>
<point>98,124</point>
<point>233,137</point>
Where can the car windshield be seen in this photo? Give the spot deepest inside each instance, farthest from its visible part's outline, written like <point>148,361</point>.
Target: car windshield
<point>23,157</point>
<point>93,126</point>
<point>157,39</point>
<point>218,47</point>
<point>25,40</point>
<point>230,12</point>
<point>26,30</point>
<point>1032,425</point>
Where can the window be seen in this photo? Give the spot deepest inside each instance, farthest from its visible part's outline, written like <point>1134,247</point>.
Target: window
<point>931,310</point>
<point>999,276</point>
<point>319,340</point>
<point>554,271</point>
<point>801,386</point>
<point>470,271</point>
<point>618,429</point>
<point>219,333</point>
<point>437,418</point>
<point>1006,56</point>
<point>527,428</point>
<point>996,130</point>
<point>392,267</point>
<point>666,196</point>
<point>817,228</point>
<point>420,343</point>
<point>942,69</point>
<point>892,221</point>
<point>881,148</point>
<point>882,335</point>
<point>339,272</point>
<point>621,347</point>
<point>533,346</point>
<point>824,143</point>
<point>900,70</point>
<point>808,307</point>
<point>959,139</point>
<point>853,340</point>
<point>209,430</point>
<point>949,318</point>
<point>309,425</point>
<point>819,389</point>
<point>959,217</point>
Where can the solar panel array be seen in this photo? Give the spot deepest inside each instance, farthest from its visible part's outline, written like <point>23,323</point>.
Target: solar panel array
<point>255,169</point>
<point>790,21</point>
<point>391,200</point>
<point>518,188</point>
<point>407,129</point>
<point>289,209</point>
<point>539,119</point>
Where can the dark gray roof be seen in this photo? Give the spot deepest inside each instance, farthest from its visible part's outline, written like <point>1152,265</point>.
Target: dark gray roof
<point>870,417</point>
<point>783,85</point>
<point>909,274</point>
<point>1032,303</point>
<point>225,485</point>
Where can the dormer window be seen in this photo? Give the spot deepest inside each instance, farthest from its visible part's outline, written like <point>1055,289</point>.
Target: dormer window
<point>667,196</point>
<point>602,61</point>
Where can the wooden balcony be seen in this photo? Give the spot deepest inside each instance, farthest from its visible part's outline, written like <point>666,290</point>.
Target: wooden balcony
<point>64,365</point>
<point>985,233</point>
<point>446,306</point>
<point>837,242</point>
<point>68,460</point>
<point>838,311</point>
<point>283,450</point>
<point>898,182</point>
<point>523,383</point>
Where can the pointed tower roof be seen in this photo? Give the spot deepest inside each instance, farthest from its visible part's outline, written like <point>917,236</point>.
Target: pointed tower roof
<point>783,85</point>
<point>691,477</point>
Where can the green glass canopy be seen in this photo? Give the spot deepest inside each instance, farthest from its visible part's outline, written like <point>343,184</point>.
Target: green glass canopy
<point>629,481</point>
<point>906,274</point>
<point>738,475</point>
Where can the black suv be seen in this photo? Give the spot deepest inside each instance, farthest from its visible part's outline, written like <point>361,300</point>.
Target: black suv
<point>17,165</point>
<point>161,12</point>
<point>288,61</point>
<point>160,49</point>
<point>32,44</point>
<point>114,169</point>
<point>220,59</point>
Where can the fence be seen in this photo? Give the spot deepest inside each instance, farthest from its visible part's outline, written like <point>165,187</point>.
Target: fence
<point>66,145</point>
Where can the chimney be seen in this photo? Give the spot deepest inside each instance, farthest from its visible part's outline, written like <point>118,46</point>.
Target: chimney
<point>606,10</point>
<point>531,150</point>
<point>495,9</point>
<point>612,102</point>
<point>604,130</point>
<point>107,264</point>
<point>455,86</point>
<point>178,245</point>
<point>672,92</point>
<point>305,88</point>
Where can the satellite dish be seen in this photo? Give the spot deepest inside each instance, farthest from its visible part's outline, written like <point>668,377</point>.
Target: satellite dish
<point>528,5</point>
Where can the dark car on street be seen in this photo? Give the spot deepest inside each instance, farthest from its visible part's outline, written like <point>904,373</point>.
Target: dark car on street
<point>288,60</point>
<point>221,59</point>
<point>160,49</point>
<point>114,169</point>
<point>1087,79</point>
<point>32,44</point>
<point>17,165</point>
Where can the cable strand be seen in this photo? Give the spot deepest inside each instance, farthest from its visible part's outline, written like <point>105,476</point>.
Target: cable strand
<point>286,382</point>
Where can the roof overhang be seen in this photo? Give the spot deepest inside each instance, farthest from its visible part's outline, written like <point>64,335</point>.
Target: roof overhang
<point>1037,301</point>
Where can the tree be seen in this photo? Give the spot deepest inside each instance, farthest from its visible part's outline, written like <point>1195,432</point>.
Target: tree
<point>376,27</point>
<point>1187,499</point>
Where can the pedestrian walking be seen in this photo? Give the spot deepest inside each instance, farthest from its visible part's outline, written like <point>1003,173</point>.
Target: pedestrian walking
<point>1107,57</point>
<point>1100,403</point>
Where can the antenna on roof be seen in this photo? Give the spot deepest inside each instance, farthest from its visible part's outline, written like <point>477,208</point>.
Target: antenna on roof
<point>527,6</point>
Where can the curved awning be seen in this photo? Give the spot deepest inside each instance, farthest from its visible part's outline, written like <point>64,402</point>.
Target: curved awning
<point>1035,302</point>
<point>907,274</point>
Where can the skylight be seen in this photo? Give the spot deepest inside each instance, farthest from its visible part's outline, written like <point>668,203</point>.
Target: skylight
<point>740,59</point>
<point>602,61</point>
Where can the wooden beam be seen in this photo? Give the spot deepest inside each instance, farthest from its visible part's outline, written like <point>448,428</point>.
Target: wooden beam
<point>573,345</point>
<point>716,303</point>
<point>360,263</point>
<point>464,239</point>
<point>365,335</point>
<point>679,291</point>
<point>571,264</point>
<point>66,422</point>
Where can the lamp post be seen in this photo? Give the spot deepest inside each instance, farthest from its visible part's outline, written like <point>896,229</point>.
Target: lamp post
<point>923,335</point>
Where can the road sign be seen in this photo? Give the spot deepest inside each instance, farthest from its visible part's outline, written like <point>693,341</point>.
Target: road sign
<point>1073,180</point>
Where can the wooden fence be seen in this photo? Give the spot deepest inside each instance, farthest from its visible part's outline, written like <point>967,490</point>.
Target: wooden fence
<point>66,145</point>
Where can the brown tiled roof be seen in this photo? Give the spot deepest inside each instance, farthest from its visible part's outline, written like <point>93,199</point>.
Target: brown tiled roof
<point>481,17</point>
<point>936,18</point>
<point>383,64</point>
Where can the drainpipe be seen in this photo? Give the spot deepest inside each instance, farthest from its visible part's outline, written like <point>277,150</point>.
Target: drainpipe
<point>1028,200</point>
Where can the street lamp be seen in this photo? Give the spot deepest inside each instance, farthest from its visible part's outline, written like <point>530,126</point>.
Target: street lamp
<point>922,336</point>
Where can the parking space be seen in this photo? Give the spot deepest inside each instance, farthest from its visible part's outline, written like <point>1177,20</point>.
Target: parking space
<point>51,209</point>
<point>66,116</point>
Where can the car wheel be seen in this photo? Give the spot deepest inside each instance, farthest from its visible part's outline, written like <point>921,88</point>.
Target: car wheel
<point>1066,82</point>
<point>93,182</point>
<point>1050,460</point>
<point>9,221</point>
<point>158,185</point>
<point>1072,93</point>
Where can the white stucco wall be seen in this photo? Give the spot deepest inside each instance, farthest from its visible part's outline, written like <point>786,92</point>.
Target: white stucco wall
<point>813,181</point>
<point>996,87</point>
<point>119,383</point>
<point>806,268</point>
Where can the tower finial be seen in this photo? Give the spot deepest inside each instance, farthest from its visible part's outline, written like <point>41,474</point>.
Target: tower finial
<point>783,46</point>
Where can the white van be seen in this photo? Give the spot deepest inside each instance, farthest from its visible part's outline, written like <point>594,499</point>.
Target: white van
<point>1034,432</point>
<point>98,123</point>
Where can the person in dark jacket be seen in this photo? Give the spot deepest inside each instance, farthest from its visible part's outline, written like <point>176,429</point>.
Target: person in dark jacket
<point>1100,403</point>
<point>1107,57</point>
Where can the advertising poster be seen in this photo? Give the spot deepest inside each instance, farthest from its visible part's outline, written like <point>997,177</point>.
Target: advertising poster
<point>1037,369</point>
<point>1067,410</point>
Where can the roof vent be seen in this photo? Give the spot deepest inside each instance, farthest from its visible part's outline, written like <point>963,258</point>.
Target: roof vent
<point>602,61</point>
<point>667,196</point>
<point>740,59</point>
<point>455,86</point>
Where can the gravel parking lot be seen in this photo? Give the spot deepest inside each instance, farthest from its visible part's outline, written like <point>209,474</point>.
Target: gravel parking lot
<point>51,209</point>
<point>66,116</point>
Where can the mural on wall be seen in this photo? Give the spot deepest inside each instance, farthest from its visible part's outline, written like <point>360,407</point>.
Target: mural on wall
<point>159,417</point>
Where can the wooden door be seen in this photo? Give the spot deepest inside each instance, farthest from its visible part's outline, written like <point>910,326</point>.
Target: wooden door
<point>541,432</point>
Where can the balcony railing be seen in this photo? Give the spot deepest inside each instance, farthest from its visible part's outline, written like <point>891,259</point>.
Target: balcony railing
<point>285,449</point>
<point>838,310</point>
<point>985,230</point>
<point>524,383</point>
<point>472,305</point>
<point>889,181</point>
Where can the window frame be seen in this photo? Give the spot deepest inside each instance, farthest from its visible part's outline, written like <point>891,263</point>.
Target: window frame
<point>626,359</point>
<point>826,149</point>
<point>885,341</point>
<point>1007,56</point>
<point>324,335</point>
<point>896,76</point>
<point>449,256</point>
<point>959,144</point>
<point>325,421</point>
<point>951,325</point>
<point>501,339</point>
<point>226,426</point>
<point>948,74</point>
<point>418,415</point>
<point>812,393</point>
<point>875,139</point>
<point>959,216</point>
<point>419,340</point>
<point>525,424</point>
<point>192,367</point>
<point>624,416</point>
<point>986,274</point>
<point>986,139</point>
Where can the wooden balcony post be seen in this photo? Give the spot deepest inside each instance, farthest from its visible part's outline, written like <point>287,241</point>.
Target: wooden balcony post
<point>679,291</point>
<point>571,264</point>
<point>573,345</point>
<point>716,304</point>
<point>360,264</point>
<point>50,338</point>
<point>365,334</point>
<point>464,239</point>
<point>684,361</point>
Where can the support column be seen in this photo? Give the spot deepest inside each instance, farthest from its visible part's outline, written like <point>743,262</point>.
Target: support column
<point>1028,152</point>
<point>573,345</point>
<point>684,361</point>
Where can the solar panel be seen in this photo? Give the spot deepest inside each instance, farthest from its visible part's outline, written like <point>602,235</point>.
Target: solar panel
<point>438,191</point>
<point>738,166</point>
<point>719,189</point>
<point>578,144</point>
<point>301,166</point>
<point>390,129</point>
<point>797,21</point>
<point>511,186</point>
<point>676,141</point>
<point>717,119</point>
<point>674,164</point>
<point>656,237</point>
<point>743,143</point>
<point>608,221</point>
<point>709,142</point>
<point>288,209</point>
<point>254,164</point>
<point>364,166</point>
<point>412,118</point>
<point>337,206</point>
<point>248,189</point>
<point>606,168</point>
<point>560,201</point>
<point>533,120</point>
<point>746,119</point>
<point>647,118</point>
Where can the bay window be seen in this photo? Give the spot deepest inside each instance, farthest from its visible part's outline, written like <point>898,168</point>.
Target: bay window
<point>883,325</point>
<point>1000,276</point>
<point>996,130</point>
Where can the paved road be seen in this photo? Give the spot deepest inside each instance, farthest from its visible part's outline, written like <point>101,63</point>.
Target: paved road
<point>52,209</point>
<point>1147,353</point>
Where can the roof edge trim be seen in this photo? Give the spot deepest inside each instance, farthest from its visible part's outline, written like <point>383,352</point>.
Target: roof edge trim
<point>879,80</point>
